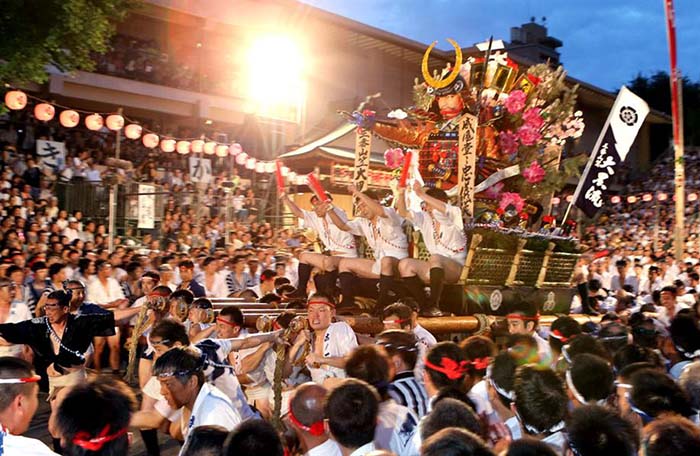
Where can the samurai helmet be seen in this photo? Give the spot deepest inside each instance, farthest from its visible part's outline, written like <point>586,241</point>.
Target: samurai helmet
<point>450,81</point>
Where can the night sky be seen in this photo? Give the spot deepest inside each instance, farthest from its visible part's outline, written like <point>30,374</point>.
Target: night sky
<point>606,42</point>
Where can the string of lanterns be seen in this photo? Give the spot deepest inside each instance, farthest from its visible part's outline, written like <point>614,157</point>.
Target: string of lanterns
<point>632,199</point>
<point>44,111</point>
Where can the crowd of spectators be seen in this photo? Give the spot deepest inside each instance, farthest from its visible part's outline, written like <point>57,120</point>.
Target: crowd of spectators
<point>189,67</point>
<point>626,382</point>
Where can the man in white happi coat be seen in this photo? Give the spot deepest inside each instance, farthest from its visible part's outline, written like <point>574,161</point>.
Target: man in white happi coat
<point>19,387</point>
<point>330,342</point>
<point>337,243</point>
<point>443,234</point>
<point>382,227</point>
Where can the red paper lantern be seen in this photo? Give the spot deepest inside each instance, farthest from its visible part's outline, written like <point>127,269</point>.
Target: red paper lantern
<point>115,122</point>
<point>183,147</point>
<point>150,140</point>
<point>556,200</point>
<point>221,150</point>
<point>210,148</point>
<point>94,122</point>
<point>44,112</point>
<point>69,118</point>
<point>15,100</point>
<point>133,131</point>
<point>615,199</point>
<point>197,146</point>
<point>167,145</point>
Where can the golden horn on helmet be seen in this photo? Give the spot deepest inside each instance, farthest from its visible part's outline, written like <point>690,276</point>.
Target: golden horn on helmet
<point>440,83</point>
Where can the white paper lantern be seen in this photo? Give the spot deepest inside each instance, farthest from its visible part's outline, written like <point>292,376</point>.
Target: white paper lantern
<point>241,158</point>
<point>221,150</point>
<point>183,147</point>
<point>150,140</point>
<point>692,197</point>
<point>197,146</point>
<point>94,122</point>
<point>133,131</point>
<point>15,99</point>
<point>260,167</point>
<point>285,171</point>
<point>615,199</point>
<point>235,149</point>
<point>647,197</point>
<point>250,163</point>
<point>115,122</point>
<point>292,176</point>
<point>44,112</point>
<point>167,145</point>
<point>301,180</point>
<point>662,196</point>
<point>270,167</point>
<point>69,118</point>
<point>210,148</point>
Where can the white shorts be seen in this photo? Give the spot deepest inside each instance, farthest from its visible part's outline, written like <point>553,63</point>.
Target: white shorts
<point>398,254</point>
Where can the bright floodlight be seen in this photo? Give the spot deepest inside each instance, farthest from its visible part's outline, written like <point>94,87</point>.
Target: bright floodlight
<point>275,72</point>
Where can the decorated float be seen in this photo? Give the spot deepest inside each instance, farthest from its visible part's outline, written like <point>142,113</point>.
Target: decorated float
<point>492,134</point>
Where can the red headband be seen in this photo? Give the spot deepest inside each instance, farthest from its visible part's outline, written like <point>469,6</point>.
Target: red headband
<point>558,335</point>
<point>330,304</point>
<point>480,363</point>
<point>226,322</point>
<point>13,381</point>
<point>316,429</point>
<point>83,440</point>
<point>451,368</point>
<point>398,321</point>
<point>514,316</point>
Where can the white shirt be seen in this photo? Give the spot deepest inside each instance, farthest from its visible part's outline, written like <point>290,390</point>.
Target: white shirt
<point>425,341</point>
<point>386,237</point>
<point>18,312</point>
<point>327,448</point>
<point>480,397</point>
<point>396,428</point>
<point>339,242</point>
<point>364,449</point>
<point>338,341</point>
<point>71,233</point>
<point>218,289</point>
<point>450,240</point>
<point>543,349</point>
<point>11,445</point>
<point>630,280</point>
<point>211,407</point>
<point>102,295</point>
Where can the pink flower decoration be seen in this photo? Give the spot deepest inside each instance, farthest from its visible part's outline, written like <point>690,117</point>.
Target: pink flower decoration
<point>515,101</point>
<point>508,141</point>
<point>534,173</point>
<point>393,158</point>
<point>509,198</point>
<point>533,118</point>
<point>529,135</point>
<point>493,191</point>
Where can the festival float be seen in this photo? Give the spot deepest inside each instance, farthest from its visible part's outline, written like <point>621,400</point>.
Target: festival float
<point>493,135</point>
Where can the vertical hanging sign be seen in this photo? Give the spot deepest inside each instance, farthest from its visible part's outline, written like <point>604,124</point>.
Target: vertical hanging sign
<point>467,164</point>
<point>363,147</point>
